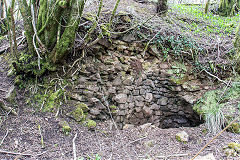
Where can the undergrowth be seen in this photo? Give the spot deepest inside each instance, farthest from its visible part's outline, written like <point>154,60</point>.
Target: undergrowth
<point>194,18</point>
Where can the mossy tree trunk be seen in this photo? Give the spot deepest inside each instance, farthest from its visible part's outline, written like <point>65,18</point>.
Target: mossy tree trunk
<point>52,30</point>
<point>237,44</point>
<point>162,7</point>
<point>228,7</point>
<point>206,7</point>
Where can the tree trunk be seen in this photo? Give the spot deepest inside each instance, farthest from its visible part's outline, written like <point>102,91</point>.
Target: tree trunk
<point>206,7</point>
<point>237,44</point>
<point>53,30</point>
<point>162,7</point>
<point>228,7</point>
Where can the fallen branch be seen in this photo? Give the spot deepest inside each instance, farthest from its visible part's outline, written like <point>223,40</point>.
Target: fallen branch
<point>74,148</point>
<point>4,138</point>
<point>173,155</point>
<point>216,137</point>
<point>15,153</point>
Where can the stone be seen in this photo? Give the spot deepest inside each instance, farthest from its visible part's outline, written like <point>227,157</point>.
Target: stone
<point>138,109</point>
<point>209,156</point>
<point>117,81</point>
<point>128,126</point>
<point>154,106</point>
<point>128,81</point>
<point>149,97</point>
<point>149,82</point>
<point>130,99</point>
<point>104,42</point>
<point>131,105</point>
<point>122,113</point>
<point>190,99</point>
<point>10,94</point>
<point>164,66</point>
<point>163,101</point>
<point>112,90</point>
<point>139,103</point>
<point>88,93</point>
<point>147,111</point>
<point>128,38</point>
<point>99,105</point>
<point>138,98</point>
<point>154,51</point>
<point>118,42</point>
<point>158,113</point>
<point>135,92</point>
<point>139,115</point>
<point>182,137</point>
<point>94,111</point>
<point>142,91</point>
<point>121,98</point>
<point>145,126</point>
<point>76,96</point>
<point>121,48</point>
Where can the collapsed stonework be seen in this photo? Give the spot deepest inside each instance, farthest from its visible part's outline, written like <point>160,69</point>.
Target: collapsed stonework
<point>135,88</point>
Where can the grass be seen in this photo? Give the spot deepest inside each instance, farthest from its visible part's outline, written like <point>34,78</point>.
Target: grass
<point>196,21</point>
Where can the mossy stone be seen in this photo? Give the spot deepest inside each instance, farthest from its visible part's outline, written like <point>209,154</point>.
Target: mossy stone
<point>80,113</point>
<point>234,128</point>
<point>65,127</point>
<point>91,124</point>
<point>235,146</point>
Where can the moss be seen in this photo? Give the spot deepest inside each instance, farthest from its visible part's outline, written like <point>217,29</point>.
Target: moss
<point>80,113</point>
<point>234,128</point>
<point>66,129</point>
<point>91,124</point>
<point>235,146</point>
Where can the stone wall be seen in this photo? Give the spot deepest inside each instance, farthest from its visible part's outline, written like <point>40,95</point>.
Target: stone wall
<point>135,87</point>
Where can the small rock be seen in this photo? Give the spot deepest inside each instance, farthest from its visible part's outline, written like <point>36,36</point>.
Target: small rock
<point>149,97</point>
<point>163,101</point>
<point>182,137</point>
<point>147,111</point>
<point>145,126</point>
<point>121,98</point>
<point>120,48</point>
<point>104,42</point>
<point>129,38</point>
<point>117,81</point>
<point>164,65</point>
<point>94,112</point>
<point>128,126</point>
<point>139,103</point>
<point>66,129</point>
<point>209,156</point>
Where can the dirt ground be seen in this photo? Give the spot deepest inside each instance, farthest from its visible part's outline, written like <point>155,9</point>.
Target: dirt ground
<point>21,135</point>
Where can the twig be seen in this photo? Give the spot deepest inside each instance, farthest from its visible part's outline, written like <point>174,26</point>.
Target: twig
<point>215,137</point>
<point>40,132</point>
<point>136,140</point>
<point>4,138</point>
<point>216,77</point>
<point>173,155</point>
<point>74,148</point>
<point>15,153</point>
<point>22,154</point>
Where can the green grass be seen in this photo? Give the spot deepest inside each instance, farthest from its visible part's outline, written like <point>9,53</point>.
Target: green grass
<point>195,20</point>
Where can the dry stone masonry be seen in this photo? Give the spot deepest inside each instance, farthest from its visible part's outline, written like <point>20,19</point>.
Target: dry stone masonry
<point>132,87</point>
